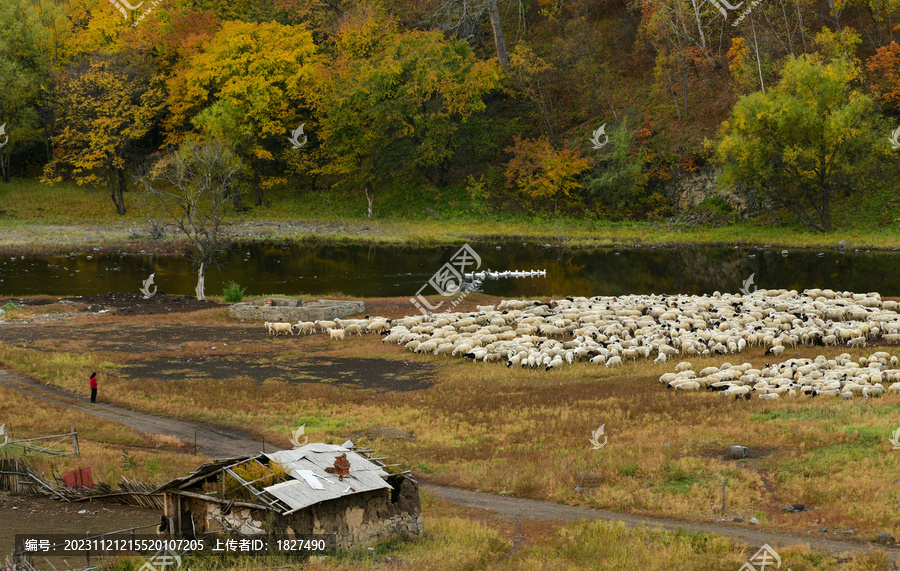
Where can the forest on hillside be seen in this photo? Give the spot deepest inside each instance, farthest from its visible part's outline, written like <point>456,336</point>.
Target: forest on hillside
<point>583,107</point>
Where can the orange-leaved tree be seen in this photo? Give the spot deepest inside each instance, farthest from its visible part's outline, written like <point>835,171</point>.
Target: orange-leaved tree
<point>884,68</point>
<point>542,171</point>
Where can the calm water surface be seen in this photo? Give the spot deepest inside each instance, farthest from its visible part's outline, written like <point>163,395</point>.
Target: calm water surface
<point>370,271</point>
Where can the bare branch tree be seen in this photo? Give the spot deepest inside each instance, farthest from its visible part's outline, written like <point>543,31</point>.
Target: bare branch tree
<point>192,186</point>
<point>460,18</point>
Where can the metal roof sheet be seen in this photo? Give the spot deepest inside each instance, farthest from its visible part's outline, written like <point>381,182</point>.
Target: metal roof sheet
<point>309,462</point>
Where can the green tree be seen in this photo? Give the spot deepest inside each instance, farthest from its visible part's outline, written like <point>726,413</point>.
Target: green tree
<point>811,136</point>
<point>394,104</point>
<point>102,110</point>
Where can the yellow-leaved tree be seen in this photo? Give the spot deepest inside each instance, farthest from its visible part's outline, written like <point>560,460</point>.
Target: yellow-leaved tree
<point>250,84</point>
<point>102,110</point>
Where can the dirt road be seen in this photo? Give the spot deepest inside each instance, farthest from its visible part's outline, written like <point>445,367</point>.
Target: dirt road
<point>211,440</point>
<point>220,443</point>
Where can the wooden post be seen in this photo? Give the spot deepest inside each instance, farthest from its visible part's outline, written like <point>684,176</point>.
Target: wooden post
<point>724,482</point>
<point>75,442</point>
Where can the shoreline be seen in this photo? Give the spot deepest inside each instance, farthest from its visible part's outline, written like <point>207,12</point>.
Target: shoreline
<point>129,237</point>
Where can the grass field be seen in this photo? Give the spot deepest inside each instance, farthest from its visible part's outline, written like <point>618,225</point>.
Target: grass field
<point>45,218</point>
<point>517,432</point>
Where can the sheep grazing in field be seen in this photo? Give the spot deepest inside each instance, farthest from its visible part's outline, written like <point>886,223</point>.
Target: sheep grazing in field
<point>325,325</point>
<point>682,366</point>
<point>279,327</point>
<point>353,328</point>
<point>304,327</point>
<point>379,326</point>
<point>614,329</point>
<point>336,334</point>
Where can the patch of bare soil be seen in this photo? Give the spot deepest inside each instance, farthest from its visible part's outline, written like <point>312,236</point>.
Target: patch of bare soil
<point>28,515</point>
<point>135,304</point>
<point>357,373</point>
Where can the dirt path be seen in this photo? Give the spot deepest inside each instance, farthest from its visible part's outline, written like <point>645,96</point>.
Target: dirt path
<point>212,441</point>
<point>519,509</point>
<point>223,443</point>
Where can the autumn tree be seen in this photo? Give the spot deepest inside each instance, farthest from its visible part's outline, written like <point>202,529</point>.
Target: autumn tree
<point>191,187</point>
<point>395,104</point>
<point>805,140</point>
<point>249,84</point>
<point>102,110</point>
<point>542,172</point>
<point>884,68</point>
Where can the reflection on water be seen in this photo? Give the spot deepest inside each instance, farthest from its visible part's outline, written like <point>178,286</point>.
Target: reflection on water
<point>372,271</point>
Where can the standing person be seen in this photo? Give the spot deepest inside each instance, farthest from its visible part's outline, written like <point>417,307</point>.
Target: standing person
<point>93,387</point>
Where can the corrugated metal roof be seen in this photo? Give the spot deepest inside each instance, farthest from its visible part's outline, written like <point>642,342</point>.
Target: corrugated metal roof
<point>309,462</point>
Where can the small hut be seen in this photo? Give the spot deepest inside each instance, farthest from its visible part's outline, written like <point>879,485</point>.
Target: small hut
<point>339,493</point>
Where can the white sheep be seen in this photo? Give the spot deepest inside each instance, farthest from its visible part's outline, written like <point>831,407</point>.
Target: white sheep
<point>304,327</point>
<point>336,334</point>
<point>325,325</point>
<point>614,362</point>
<point>278,327</point>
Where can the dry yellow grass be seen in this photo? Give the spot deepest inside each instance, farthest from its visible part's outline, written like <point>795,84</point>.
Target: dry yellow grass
<point>525,433</point>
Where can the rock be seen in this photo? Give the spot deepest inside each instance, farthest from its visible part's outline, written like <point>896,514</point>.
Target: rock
<point>754,521</point>
<point>648,484</point>
<point>843,244</point>
<point>737,519</point>
<point>738,452</point>
<point>823,529</point>
<point>793,508</point>
<point>847,532</point>
<point>82,511</point>
<point>787,508</point>
<point>579,489</point>
<point>886,539</point>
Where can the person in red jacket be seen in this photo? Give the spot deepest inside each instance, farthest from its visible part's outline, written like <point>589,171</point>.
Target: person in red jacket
<point>93,387</point>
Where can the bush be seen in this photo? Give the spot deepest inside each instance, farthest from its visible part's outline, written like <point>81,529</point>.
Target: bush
<point>233,292</point>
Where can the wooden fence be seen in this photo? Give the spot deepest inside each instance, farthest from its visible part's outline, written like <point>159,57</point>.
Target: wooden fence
<point>17,477</point>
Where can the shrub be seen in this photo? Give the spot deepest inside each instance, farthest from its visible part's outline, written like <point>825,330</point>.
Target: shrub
<point>233,292</point>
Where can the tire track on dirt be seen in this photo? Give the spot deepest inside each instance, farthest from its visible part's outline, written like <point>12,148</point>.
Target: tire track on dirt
<point>224,443</point>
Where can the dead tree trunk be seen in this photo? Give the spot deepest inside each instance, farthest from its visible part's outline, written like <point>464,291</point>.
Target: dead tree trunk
<point>201,276</point>
<point>498,34</point>
<point>370,198</point>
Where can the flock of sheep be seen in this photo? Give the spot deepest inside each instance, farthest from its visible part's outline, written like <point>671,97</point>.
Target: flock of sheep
<point>841,376</point>
<point>336,329</point>
<point>611,330</point>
